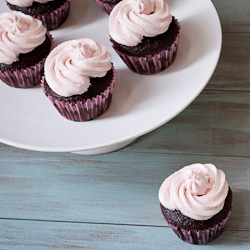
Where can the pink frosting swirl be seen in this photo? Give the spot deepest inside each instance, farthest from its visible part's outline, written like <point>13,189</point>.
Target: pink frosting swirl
<point>198,191</point>
<point>19,34</point>
<point>131,20</point>
<point>70,65</point>
<point>26,3</point>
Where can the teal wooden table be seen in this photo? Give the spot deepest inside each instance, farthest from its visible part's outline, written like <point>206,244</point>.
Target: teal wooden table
<point>66,201</point>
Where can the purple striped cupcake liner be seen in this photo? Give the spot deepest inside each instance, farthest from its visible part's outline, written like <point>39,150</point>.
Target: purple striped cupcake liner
<point>28,77</point>
<point>152,64</point>
<point>54,19</point>
<point>107,7</point>
<point>200,237</point>
<point>87,110</point>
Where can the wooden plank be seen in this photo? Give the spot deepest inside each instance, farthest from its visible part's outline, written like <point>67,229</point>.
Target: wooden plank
<point>232,72</point>
<point>117,188</point>
<point>216,123</point>
<point>234,15</point>
<point>32,235</point>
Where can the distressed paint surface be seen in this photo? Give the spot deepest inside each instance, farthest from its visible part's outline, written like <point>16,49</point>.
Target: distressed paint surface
<point>234,15</point>
<point>216,123</point>
<point>50,235</point>
<point>116,188</point>
<point>67,201</point>
<point>232,72</point>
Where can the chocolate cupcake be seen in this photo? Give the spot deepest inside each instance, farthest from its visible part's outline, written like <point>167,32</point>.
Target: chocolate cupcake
<point>52,13</point>
<point>196,202</point>
<point>144,34</point>
<point>107,5</point>
<point>24,46</point>
<point>79,79</point>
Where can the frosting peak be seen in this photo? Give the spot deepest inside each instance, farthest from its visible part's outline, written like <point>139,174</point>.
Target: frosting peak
<point>19,34</point>
<point>19,25</point>
<point>198,191</point>
<point>197,182</point>
<point>82,51</point>
<point>70,65</point>
<point>145,7</point>
<point>131,20</point>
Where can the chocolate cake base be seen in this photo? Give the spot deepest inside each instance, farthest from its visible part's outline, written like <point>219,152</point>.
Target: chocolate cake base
<point>52,14</point>
<point>107,5</point>
<point>29,69</point>
<point>150,45</point>
<point>110,1</point>
<point>98,85</point>
<point>176,218</point>
<point>195,231</point>
<point>29,59</point>
<point>38,8</point>
<point>87,106</point>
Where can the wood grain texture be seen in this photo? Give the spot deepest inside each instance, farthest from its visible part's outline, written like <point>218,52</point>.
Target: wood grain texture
<point>232,72</point>
<point>67,201</point>
<point>234,15</point>
<point>116,188</point>
<point>26,235</point>
<point>216,123</point>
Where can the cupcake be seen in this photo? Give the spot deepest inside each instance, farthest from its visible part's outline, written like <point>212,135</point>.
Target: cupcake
<point>196,202</point>
<point>52,13</point>
<point>24,46</point>
<point>144,34</point>
<point>79,79</point>
<point>107,5</point>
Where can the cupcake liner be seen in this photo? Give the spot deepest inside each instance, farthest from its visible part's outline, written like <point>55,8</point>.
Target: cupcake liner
<point>55,18</point>
<point>86,110</point>
<point>152,64</point>
<point>107,7</point>
<point>28,77</point>
<point>199,237</point>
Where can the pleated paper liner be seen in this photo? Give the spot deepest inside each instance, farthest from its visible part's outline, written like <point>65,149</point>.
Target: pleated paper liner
<point>54,19</point>
<point>196,236</point>
<point>81,111</point>
<point>107,7</point>
<point>27,77</point>
<point>154,63</point>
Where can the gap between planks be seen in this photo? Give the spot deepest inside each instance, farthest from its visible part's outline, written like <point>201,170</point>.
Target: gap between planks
<point>102,223</point>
